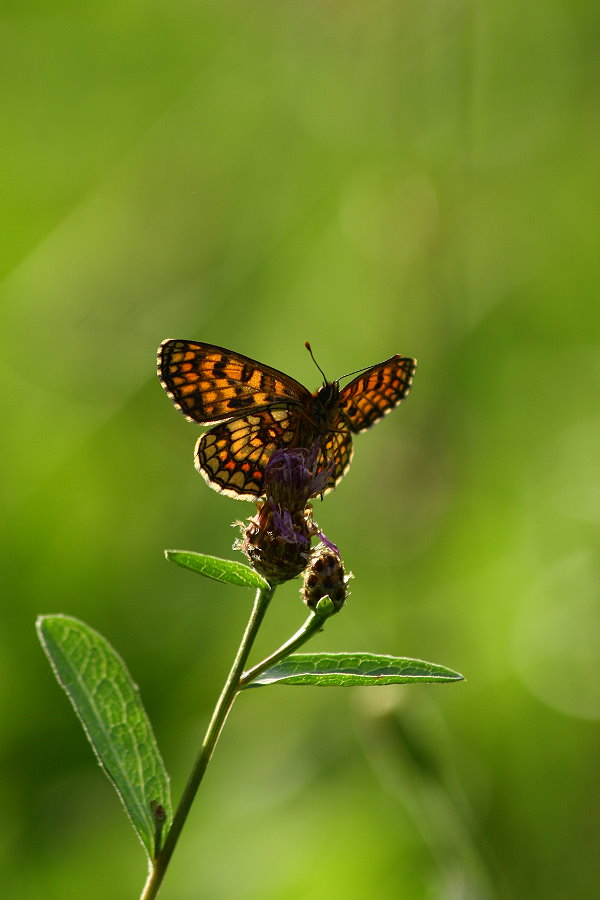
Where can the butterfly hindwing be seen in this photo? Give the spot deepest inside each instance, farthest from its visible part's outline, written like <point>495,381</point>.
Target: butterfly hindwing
<point>374,393</point>
<point>336,450</point>
<point>232,456</point>
<point>209,384</point>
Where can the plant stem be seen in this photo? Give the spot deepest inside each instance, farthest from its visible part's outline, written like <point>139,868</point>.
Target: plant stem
<point>313,624</point>
<point>224,704</point>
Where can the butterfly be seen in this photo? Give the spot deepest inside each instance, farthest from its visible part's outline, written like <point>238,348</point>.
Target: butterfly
<point>254,410</point>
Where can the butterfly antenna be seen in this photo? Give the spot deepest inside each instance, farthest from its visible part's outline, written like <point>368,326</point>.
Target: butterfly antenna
<point>348,374</point>
<point>309,348</point>
<point>356,372</point>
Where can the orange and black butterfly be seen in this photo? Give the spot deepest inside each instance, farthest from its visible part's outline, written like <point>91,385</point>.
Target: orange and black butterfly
<point>255,410</point>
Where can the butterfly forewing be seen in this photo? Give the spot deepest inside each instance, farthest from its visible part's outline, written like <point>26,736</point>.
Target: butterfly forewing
<point>376,392</point>
<point>209,384</point>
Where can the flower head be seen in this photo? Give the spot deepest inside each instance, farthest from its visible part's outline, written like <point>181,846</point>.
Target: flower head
<point>291,478</point>
<point>277,541</point>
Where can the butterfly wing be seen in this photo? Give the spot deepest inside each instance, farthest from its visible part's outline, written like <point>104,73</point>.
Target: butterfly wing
<point>232,456</point>
<point>337,449</point>
<point>374,393</point>
<point>209,384</point>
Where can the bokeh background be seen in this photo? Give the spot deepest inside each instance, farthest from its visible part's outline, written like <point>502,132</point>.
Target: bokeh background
<point>378,177</point>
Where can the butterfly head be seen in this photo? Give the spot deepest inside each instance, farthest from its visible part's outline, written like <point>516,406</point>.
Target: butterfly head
<point>328,394</point>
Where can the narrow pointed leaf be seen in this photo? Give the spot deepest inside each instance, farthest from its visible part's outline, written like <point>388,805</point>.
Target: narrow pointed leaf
<point>346,669</point>
<point>109,707</point>
<point>226,570</point>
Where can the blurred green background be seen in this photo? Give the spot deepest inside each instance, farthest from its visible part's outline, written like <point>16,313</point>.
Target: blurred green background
<point>378,177</point>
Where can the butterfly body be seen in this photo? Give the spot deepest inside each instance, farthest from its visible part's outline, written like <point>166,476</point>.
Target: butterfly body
<point>254,410</point>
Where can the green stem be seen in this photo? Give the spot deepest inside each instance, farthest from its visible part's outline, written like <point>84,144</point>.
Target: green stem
<point>313,624</point>
<point>224,704</point>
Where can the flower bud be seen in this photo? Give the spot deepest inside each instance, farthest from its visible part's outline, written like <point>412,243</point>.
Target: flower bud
<point>324,577</point>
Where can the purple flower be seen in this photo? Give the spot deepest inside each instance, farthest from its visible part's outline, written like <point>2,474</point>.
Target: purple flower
<point>277,541</point>
<point>291,478</point>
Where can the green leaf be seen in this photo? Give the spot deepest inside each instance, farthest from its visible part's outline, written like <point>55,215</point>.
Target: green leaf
<point>225,570</point>
<point>345,669</point>
<point>108,704</point>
